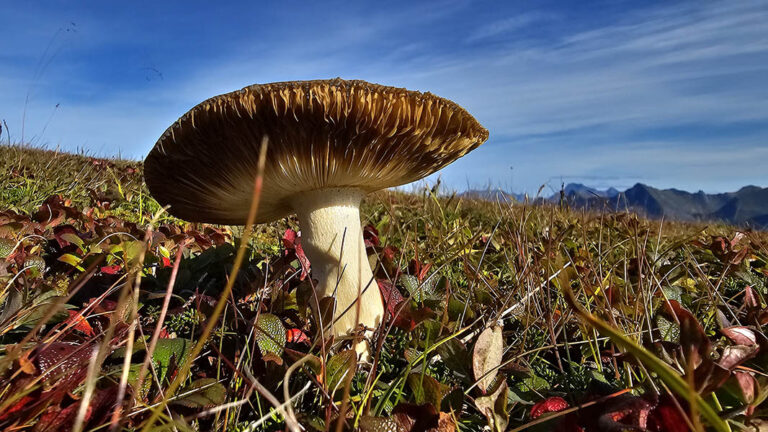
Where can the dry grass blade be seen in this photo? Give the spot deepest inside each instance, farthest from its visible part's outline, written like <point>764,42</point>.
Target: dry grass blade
<point>668,375</point>
<point>222,301</point>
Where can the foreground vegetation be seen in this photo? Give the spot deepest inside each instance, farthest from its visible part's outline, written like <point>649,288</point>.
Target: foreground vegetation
<point>500,316</point>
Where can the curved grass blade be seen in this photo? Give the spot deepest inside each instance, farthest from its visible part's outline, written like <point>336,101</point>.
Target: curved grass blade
<point>668,375</point>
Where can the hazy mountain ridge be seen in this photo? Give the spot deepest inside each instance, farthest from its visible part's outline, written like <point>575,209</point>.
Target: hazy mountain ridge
<point>746,207</point>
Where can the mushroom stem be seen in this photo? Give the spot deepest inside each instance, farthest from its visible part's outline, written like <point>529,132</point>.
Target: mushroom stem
<point>333,241</point>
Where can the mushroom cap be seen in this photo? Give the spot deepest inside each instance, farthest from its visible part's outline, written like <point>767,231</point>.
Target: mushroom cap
<point>322,134</point>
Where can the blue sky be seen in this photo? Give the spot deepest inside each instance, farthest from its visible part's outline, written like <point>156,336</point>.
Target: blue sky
<point>671,94</point>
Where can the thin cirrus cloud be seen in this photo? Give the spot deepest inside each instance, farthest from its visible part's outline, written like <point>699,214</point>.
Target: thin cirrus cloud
<point>503,27</point>
<point>671,95</point>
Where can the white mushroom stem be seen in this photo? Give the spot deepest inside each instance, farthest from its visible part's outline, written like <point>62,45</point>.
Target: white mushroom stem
<point>333,241</point>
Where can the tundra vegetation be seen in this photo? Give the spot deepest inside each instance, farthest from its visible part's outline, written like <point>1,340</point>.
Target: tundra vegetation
<point>498,315</point>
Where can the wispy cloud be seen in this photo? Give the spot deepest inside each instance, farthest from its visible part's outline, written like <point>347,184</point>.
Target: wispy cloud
<point>625,95</point>
<point>506,26</point>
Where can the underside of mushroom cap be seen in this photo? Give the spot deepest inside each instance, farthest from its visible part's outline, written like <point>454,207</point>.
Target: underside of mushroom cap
<point>322,134</point>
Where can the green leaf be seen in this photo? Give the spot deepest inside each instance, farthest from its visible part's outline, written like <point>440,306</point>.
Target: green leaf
<point>339,368</point>
<point>132,250</point>
<point>6,246</point>
<point>441,286</point>
<point>71,260</point>
<point>411,284</point>
<point>419,292</point>
<point>494,407</point>
<point>597,376</point>
<point>457,359</point>
<point>73,238</point>
<point>39,307</point>
<point>673,292</point>
<point>167,352</point>
<point>205,393</point>
<point>457,307</point>
<point>270,334</point>
<point>133,379</point>
<point>378,424</point>
<point>483,296</point>
<point>534,383</point>
<point>669,330</point>
<point>427,389</point>
<point>37,265</point>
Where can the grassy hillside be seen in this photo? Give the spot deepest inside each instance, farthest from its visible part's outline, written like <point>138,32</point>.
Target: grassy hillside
<point>500,316</point>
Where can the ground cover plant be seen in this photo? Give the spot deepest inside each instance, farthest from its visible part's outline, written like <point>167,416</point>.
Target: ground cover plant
<point>499,316</point>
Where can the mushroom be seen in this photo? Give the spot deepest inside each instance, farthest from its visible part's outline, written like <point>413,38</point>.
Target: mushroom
<point>330,143</point>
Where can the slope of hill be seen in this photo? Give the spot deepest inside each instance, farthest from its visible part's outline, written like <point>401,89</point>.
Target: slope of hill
<point>486,325</point>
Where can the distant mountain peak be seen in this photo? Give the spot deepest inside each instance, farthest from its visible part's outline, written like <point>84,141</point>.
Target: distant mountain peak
<point>586,191</point>
<point>746,207</point>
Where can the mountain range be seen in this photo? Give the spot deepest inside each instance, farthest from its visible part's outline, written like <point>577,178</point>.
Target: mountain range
<point>747,207</point>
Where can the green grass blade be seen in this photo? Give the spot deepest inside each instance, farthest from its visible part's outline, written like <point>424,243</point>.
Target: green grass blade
<point>668,375</point>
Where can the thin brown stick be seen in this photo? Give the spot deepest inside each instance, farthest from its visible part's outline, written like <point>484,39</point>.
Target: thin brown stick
<point>203,339</point>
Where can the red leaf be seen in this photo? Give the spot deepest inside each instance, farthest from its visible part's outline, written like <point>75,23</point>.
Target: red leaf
<point>393,304</point>
<point>389,264</point>
<point>666,417</point>
<point>80,323</point>
<point>295,335</point>
<point>740,335</point>
<point>553,404</point>
<point>16,407</point>
<point>419,269</point>
<point>59,231</point>
<point>388,254</point>
<point>217,236</point>
<point>762,316</point>
<point>412,417</point>
<point>389,294</point>
<point>57,419</point>
<point>202,241</point>
<point>166,262</point>
<point>423,273</point>
<point>289,238</point>
<point>370,236</point>
<point>626,412</point>
<point>303,260</point>
<point>693,340</point>
<point>63,366</point>
<point>112,269</point>
<point>750,299</point>
<point>292,244</point>
<point>737,354</point>
<point>103,305</point>
<point>746,384</point>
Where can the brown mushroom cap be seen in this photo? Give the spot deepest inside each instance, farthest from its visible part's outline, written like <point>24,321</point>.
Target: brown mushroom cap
<point>322,134</point>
